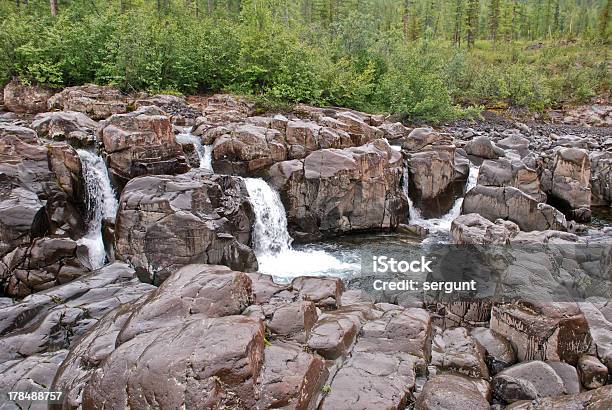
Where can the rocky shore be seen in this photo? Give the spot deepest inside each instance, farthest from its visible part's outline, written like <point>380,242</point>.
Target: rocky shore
<point>137,234</point>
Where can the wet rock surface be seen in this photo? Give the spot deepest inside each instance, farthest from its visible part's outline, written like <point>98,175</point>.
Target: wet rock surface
<point>338,191</point>
<point>140,143</point>
<point>165,222</point>
<point>222,335</point>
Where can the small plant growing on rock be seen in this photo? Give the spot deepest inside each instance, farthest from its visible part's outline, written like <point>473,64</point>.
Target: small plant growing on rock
<point>326,389</point>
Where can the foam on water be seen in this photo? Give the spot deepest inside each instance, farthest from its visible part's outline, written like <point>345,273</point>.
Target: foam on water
<point>204,151</point>
<point>100,203</point>
<point>272,242</point>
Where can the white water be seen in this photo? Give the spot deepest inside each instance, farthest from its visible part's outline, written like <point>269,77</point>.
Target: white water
<point>272,242</point>
<point>204,151</point>
<point>442,224</point>
<point>101,203</point>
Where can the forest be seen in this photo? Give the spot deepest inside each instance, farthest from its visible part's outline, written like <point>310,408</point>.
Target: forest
<point>424,60</point>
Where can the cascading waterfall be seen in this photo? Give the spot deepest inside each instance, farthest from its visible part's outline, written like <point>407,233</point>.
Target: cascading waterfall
<point>272,242</point>
<point>204,151</point>
<point>100,202</point>
<point>442,224</point>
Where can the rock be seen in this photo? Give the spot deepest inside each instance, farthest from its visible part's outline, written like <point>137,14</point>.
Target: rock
<point>419,138</point>
<point>141,143</point>
<point>475,229</point>
<point>302,138</point>
<point>224,108</point>
<point>33,374</point>
<point>264,287</point>
<point>449,391</point>
<point>165,222</point>
<point>550,331</point>
<point>171,348</point>
<point>206,290</point>
<point>40,192</point>
<point>290,378</point>
<point>394,131</point>
<point>598,399</point>
<point>502,173</point>
<point>571,179</point>
<point>399,330</point>
<point>593,373</point>
<point>22,98</point>
<point>515,142</point>
<point>455,350</point>
<point>334,333</point>
<point>75,127</point>
<point>325,292</point>
<point>247,149</point>
<point>46,263</point>
<point>24,134</point>
<point>431,174</point>
<point>296,319</point>
<point>499,351</point>
<point>601,178</point>
<point>371,380</point>
<point>600,329</point>
<point>361,132</point>
<point>52,319</point>
<point>174,106</point>
<point>333,191</point>
<point>514,205</point>
<point>527,381</point>
<point>98,102</point>
<point>569,375</point>
<point>483,147</point>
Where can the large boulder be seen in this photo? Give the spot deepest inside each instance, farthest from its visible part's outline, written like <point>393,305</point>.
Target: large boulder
<point>600,327</point>
<point>450,391</point>
<point>514,205</point>
<point>22,98</point>
<point>527,381</point>
<point>141,143</point>
<point>177,108</point>
<point>46,263</point>
<point>25,134</point>
<point>246,149</point>
<point>593,373</point>
<point>40,192</point>
<point>435,179</point>
<point>475,229</point>
<point>499,351</point>
<point>516,174</point>
<point>421,138</point>
<point>547,331</point>
<point>457,351</point>
<point>165,222</point>
<point>483,147</point>
<point>171,347</point>
<point>571,177</point>
<point>75,127</point>
<point>98,102</point>
<point>337,191</point>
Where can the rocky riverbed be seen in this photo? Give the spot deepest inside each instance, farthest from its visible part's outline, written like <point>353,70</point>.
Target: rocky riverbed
<point>161,252</point>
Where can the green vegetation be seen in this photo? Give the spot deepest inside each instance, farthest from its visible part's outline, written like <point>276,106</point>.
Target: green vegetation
<point>422,59</point>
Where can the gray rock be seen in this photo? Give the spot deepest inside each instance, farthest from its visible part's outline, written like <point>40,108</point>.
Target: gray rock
<point>483,147</point>
<point>449,392</point>
<point>455,350</point>
<point>98,102</point>
<point>165,222</point>
<point>75,127</point>
<point>525,380</point>
<point>500,353</point>
<point>514,205</point>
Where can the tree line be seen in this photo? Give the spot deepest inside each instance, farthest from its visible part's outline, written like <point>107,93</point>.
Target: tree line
<point>462,21</point>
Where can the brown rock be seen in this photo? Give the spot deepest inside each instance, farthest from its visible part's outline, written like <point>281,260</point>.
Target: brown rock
<point>165,222</point>
<point>527,381</point>
<point>98,102</point>
<point>449,392</point>
<point>22,98</point>
<point>593,373</point>
<point>455,350</point>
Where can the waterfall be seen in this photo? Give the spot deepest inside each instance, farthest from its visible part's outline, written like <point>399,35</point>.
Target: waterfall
<point>272,242</point>
<point>270,235</point>
<point>442,224</point>
<point>204,151</point>
<point>100,203</point>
